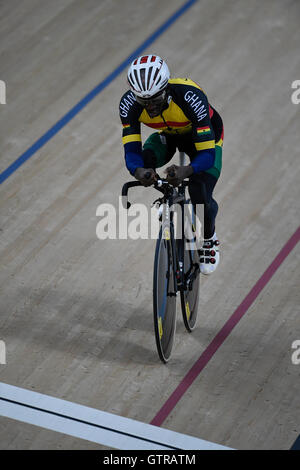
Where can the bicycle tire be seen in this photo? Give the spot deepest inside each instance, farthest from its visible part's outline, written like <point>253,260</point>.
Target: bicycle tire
<point>164,303</point>
<point>189,298</point>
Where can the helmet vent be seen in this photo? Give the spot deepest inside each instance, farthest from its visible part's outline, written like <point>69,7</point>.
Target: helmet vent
<point>159,79</point>
<point>131,79</point>
<point>143,81</point>
<point>149,77</point>
<point>155,75</point>
<point>137,79</point>
<point>164,84</point>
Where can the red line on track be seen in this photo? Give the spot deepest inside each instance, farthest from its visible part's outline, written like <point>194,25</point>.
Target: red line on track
<point>218,340</point>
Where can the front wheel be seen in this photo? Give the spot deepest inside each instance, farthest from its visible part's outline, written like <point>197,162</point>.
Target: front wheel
<point>164,297</point>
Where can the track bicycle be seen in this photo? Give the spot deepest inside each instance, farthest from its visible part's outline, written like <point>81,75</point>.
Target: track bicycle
<point>176,263</point>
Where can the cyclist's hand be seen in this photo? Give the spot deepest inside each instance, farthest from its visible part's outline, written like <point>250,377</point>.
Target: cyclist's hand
<point>146,176</point>
<point>176,174</point>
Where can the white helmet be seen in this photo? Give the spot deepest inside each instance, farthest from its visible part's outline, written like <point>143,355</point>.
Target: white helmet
<point>148,75</point>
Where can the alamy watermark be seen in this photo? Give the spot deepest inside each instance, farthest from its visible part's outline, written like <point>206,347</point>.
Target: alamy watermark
<point>296,94</point>
<point>138,222</point>
<point>2,352</point>
<point>2,92</point>
<point>296,354</point>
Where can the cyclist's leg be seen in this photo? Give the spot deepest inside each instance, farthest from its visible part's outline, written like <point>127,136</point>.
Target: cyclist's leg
<point>158,150</point>
<point>216,169</point>
<point>201,187</point>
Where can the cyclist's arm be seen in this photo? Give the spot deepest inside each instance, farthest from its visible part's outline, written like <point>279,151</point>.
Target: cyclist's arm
<point>131,136</point>
<point>198,110</point>
<point>132,148</point>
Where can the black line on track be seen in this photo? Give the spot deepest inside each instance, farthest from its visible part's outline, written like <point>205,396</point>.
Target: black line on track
<point>88,423</point>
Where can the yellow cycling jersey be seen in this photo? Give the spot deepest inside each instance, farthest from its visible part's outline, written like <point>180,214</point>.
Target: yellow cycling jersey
<point>172,120</point>
<point>187,111</point>
<point>187,106</point>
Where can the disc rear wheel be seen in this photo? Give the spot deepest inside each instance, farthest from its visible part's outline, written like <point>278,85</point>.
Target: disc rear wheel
<point>189,295</point>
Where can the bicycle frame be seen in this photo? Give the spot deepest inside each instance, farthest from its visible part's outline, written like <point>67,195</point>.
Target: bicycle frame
<point>170,200</point>
<point>177,265</point>
<point>171,197</point>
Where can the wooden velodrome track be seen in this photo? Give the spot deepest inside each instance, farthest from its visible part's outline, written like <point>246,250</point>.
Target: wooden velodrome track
<point>76,312</point>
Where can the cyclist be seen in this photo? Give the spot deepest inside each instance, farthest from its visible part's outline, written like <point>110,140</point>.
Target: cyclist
<point>179,111</point>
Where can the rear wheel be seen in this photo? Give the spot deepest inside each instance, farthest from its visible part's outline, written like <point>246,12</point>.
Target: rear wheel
<point>164,297</point>
<point>189,294</point>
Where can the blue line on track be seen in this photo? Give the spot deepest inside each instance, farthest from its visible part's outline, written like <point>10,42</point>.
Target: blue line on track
<point>92,94</point>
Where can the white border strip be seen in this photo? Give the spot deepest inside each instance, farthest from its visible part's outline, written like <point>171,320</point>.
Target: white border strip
<point>93,425</point>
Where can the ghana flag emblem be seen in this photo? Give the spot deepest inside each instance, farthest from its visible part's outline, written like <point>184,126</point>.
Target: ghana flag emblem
<point>203,130</point>
<point>126,126</point>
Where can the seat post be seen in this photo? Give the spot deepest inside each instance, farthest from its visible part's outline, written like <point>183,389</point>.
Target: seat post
<point>181,158</point>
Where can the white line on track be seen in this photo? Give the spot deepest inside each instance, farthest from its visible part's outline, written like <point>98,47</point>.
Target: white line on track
<point>93,425</point>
